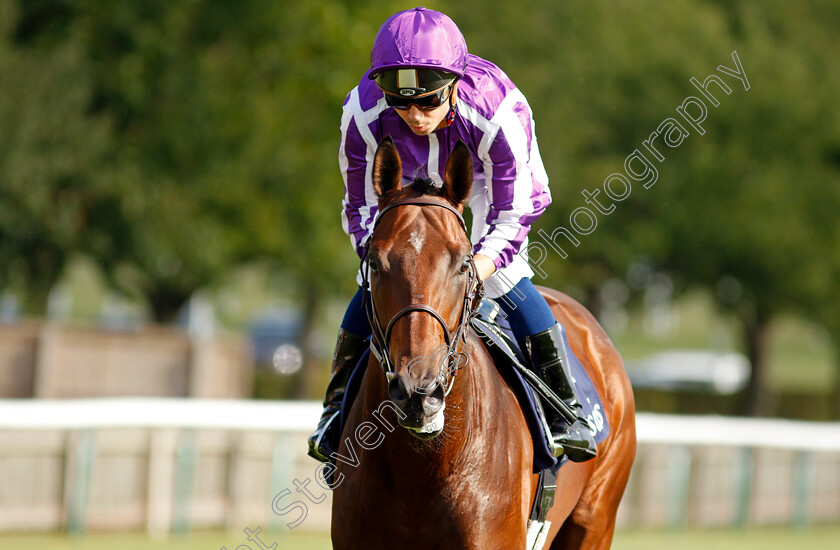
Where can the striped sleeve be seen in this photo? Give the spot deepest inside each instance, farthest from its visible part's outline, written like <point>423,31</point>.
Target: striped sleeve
<point>517,181</point>
<point>355,159</point>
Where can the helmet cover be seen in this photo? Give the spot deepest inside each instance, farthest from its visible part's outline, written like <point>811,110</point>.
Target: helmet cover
<point>420,39</point>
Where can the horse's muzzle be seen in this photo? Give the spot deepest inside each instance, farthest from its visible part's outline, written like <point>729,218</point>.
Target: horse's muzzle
<point>422,407</point>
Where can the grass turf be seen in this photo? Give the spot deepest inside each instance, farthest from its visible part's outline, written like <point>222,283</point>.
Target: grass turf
<point>748,539</point>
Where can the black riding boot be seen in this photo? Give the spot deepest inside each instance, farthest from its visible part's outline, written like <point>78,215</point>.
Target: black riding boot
<point>546,354</point>
<point>348,350</point>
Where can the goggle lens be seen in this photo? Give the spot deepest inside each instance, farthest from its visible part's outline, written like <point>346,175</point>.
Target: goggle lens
<point>426,102</point>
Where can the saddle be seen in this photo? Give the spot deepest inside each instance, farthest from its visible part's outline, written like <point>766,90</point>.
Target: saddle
<point>498,339</point>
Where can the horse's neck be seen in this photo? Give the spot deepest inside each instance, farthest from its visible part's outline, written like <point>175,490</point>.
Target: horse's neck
<point>473,408</point>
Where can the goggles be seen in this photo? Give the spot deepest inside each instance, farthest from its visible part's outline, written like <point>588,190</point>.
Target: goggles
<point>426,102</point>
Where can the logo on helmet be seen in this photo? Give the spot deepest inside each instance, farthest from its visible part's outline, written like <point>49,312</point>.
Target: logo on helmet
<point>407,91</point>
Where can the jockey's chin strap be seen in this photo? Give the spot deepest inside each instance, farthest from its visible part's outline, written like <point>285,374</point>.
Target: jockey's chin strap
<point>473,293</point>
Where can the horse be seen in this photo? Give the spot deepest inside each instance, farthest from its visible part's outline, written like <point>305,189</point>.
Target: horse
<point>457,471</point>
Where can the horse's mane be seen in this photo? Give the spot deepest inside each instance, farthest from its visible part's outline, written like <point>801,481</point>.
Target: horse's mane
<point>424,186</point>
<point>419,187</point>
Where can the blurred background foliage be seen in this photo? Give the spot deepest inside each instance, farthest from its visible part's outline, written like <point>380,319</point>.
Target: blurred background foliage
<point>172,146</point>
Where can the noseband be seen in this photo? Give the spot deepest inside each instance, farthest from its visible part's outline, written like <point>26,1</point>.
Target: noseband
<point>473,293</point>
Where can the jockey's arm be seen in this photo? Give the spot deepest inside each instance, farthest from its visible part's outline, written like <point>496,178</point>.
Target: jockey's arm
<point>518,188</point>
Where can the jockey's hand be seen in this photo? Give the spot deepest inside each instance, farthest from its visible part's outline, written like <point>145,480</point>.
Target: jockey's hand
<point>484,265</point>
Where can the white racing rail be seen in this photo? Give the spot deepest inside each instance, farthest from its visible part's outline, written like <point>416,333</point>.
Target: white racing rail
<point>131,412</point>
<point>303,415</point>
<point>154,452</point>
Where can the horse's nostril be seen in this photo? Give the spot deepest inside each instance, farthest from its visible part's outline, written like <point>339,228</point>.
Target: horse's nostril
<point>397,391</point>
<point>431,405</point>
<point>433,402</point>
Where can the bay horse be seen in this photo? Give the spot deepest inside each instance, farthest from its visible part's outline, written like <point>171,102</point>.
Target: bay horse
<point>458,475</point>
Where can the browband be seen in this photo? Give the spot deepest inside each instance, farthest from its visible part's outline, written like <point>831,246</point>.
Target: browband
<point>424,201</point>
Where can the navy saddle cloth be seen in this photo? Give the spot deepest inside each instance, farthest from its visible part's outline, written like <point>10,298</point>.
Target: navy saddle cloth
<point>593,409</point>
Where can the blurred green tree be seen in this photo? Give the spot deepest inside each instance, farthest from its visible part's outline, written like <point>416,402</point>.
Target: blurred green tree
<point>172,141</point>
<point>752,201</point>
<point>228,117</point>
<point>52,149</point>
<point>739,210</point>
<point>218,141</point>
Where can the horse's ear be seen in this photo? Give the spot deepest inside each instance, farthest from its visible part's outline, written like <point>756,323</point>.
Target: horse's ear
<point>457,181</point>
<point>387,168</point>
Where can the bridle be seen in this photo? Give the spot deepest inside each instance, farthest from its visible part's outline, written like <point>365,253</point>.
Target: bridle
<point>473,293</point>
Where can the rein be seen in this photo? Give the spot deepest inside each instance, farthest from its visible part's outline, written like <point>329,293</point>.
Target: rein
<point>473,293</point>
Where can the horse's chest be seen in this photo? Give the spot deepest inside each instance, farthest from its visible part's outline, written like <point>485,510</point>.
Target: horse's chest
<point>461,511</point>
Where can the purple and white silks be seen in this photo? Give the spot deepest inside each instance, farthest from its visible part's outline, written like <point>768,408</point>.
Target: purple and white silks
<point>510,189</point>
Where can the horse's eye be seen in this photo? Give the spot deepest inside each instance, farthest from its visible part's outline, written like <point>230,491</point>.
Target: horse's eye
<point>465,266</point>
<point>373,265</point>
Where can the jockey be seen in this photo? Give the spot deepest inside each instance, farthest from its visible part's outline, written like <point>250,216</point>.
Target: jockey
<point>426,92</point>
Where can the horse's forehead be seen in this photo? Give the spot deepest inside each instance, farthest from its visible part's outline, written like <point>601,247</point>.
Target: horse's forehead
<point>417,238</point>
<point>420,228</point>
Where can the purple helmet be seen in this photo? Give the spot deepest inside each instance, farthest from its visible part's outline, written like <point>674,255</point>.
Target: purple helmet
<point>420,39</point>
